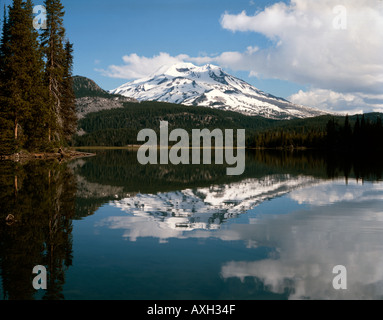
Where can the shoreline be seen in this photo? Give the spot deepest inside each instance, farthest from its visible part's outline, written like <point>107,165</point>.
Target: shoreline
<point>61,155</point>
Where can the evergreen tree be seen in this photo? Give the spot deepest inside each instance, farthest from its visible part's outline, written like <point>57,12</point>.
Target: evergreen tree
<point>3,43</point>
<point>68,107</point>
<point>7,142</point>
<point>332,133</point>
<point>346,133</point>
<point>37,104</point>
<point>35,130</point>
<point>356,133</point>
<point>21,71</point>
<point>52,40</point>
<point>13,69</point>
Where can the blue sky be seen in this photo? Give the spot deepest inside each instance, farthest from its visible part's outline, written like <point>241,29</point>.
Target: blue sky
<point>287,48</point>
<point>103,32</point>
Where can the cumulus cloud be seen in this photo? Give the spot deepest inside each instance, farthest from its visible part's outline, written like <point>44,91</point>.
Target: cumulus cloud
<point>343,103</point>
<point>333,46</point>
<point>136,67</point>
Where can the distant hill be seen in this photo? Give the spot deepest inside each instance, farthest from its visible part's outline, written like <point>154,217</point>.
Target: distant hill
<point>91,98</point>
<point>85,87</point>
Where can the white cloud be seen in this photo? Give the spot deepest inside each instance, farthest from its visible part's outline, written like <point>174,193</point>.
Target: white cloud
<point>136,67</point>
<point>345,103</point>
<point>344,68</point>
<point>309,50</point>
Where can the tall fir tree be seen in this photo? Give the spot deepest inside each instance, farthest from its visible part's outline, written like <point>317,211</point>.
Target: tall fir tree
<point>22,87</point>
<point>7,141</point>
<point>37,135</point>
<point>37,103</point>
<point>13,69</point>
<point>3,43</point>
<point>52,39</point>
<point>68,106</point>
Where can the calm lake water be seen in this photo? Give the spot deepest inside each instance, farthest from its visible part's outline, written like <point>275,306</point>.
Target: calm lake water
<point>107,227</point>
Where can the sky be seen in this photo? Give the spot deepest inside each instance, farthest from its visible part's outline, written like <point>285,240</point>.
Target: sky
<point>326,54</point>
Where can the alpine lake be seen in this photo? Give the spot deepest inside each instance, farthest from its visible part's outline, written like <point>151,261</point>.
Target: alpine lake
<point>107,227</point>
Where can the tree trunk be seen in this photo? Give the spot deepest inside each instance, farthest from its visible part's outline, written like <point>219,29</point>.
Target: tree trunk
<point>16,186</point>
<point>16,129</point>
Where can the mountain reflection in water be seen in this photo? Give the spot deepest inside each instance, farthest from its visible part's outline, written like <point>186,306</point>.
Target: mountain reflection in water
<point>310,211</point>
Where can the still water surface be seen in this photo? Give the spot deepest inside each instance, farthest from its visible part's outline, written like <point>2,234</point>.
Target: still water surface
<point>109,228</point>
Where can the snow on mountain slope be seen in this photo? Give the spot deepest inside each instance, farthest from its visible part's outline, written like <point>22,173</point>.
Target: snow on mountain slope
<point>171,214</point>
<point>210,86</point>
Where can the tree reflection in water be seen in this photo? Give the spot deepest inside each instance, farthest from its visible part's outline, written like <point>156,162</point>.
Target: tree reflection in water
<point>39,200</point>
<point>37,206</point>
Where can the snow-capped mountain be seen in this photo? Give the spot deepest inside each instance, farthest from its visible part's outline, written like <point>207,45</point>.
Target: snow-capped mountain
<point>210,86</point>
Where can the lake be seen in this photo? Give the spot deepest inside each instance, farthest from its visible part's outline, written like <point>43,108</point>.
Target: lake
<point>107,227</point>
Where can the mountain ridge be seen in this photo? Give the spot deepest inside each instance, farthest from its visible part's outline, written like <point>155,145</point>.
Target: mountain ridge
<point>90,97</point>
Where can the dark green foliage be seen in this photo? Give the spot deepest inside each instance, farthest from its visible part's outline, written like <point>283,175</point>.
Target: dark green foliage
<point>22,90</point>
<point>119,127</point>
<point>68,104</point>
<point>52,41</point>
<point>366,134</point>
<point>36,92</point>
<point>318,134</point>
<point>7,138</point>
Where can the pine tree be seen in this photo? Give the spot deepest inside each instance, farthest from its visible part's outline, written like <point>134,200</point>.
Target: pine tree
<point>19,67</point>
<point>68,107</point>
<point>7,143</point>
<point>346,133</point>
<point>3,43</point>
<point>356,133</point>
<point>22,90</point>
<point>52,40</point>
<point>13,68</point>
<point>37,105</point>
<point>35,130</point>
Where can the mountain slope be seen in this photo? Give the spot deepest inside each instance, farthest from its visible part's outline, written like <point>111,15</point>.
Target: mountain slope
<point>210,86</point>
<point>91,98</point>
<point>85,87</point>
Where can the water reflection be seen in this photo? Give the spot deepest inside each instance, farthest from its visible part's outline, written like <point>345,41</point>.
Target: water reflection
<point>175,214</point>
<point>332,209</point>
<point>347,231</point>
<point>37,207</point>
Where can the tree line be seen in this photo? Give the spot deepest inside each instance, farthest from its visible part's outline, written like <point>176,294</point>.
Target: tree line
<point>360,134</point>
<point>37,101</point>
<point>119,127</point>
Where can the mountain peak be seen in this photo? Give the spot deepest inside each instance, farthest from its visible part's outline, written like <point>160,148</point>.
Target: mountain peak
<point>172,70</point>
<point>210,86</point>
<point>185,69</point>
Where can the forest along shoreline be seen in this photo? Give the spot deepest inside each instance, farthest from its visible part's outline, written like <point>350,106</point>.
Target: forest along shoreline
<point>62,154</point>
